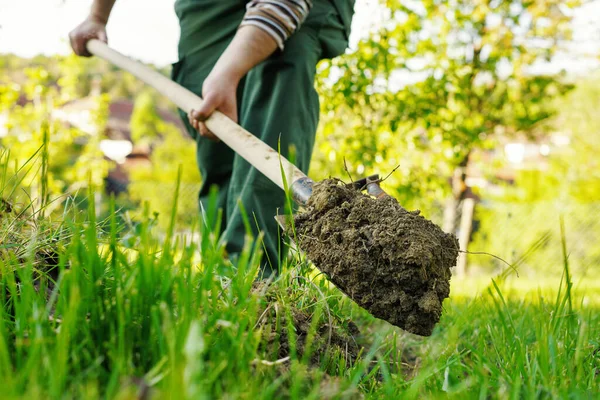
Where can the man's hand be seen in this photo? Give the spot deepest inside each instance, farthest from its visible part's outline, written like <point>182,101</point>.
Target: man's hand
<point>91,28</point>
<point>219,92</point>
<point>94,27</point>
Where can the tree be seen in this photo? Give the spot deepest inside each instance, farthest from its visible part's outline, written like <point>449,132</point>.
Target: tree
<point>441,78</point>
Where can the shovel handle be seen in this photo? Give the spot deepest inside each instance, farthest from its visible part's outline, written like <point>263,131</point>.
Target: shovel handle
<point>252,149</point>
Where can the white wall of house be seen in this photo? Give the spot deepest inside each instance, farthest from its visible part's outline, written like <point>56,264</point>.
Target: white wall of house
<point>80,119</point>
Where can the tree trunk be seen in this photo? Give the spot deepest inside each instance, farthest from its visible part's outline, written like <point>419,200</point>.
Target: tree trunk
<point>459,188</point>
<point>451,218</point>
<point>449,225</point>
<point>466,225</point>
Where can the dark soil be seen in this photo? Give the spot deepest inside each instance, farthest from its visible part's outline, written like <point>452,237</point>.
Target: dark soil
<point>323,343</point>
<point>5,207</point>
<point>329,336</point>
<point>392,262</point>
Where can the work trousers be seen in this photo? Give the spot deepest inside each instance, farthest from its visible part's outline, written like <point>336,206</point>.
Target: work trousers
<point>277,102</point>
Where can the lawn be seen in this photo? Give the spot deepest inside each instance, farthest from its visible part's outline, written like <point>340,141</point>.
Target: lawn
<point>125,315</point>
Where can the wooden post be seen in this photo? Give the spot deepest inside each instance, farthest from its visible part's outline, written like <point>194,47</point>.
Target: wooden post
<point>98,201</point>
<point>459,187</point>
<point>449,225</point>
<point>466,224</point>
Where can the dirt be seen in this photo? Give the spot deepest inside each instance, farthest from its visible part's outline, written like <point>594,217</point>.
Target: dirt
<point>327,346</point>
<point>392,262</point>
<point>326,339</point>
<point>330,335</point>
<point>5,207</point>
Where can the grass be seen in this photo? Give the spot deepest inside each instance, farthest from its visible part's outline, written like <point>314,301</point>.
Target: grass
<point>143,318</point>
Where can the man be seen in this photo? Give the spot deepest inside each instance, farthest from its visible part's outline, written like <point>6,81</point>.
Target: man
<point>255,62</point>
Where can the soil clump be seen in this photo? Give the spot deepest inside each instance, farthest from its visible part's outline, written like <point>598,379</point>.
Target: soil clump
<point>392,262</point>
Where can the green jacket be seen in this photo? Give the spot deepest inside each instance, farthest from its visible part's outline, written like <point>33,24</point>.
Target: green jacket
<point>346,10</point>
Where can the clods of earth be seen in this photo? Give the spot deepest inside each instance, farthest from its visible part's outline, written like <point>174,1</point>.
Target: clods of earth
<point>394,263</point>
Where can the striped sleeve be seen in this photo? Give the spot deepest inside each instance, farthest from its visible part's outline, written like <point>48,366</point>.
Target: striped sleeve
<point>279,18</point>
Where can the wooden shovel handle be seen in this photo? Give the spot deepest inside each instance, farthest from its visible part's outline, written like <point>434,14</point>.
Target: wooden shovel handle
<point>252,149</point>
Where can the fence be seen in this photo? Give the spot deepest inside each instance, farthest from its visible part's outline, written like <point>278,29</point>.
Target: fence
<point>160,197</point>
<point>529,236</point>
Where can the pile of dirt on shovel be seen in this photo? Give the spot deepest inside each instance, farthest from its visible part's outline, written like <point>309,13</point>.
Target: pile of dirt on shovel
<point>392,262</point>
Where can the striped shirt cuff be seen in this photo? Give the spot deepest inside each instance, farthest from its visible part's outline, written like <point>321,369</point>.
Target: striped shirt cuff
<point>279,18</point>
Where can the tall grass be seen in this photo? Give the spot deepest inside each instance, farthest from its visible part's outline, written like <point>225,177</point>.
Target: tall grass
<point>175,319</point>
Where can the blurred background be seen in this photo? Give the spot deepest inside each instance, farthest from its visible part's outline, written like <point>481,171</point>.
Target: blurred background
<point>486,115</point>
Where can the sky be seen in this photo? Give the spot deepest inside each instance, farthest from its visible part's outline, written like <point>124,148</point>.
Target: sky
<point>144,29</point>
<point>147,29</point>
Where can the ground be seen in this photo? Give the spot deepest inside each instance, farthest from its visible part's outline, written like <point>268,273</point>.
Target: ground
<point>142,318</point>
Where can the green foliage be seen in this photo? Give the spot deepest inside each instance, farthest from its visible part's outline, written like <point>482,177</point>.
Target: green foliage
<point>572,170</point>
<point>32,92</point>
<point>527,236</point>
<point>439,79</point>
<point>579,167</point>
<point>74,76</point>
<point>74,156</point>
<point>90,166</point>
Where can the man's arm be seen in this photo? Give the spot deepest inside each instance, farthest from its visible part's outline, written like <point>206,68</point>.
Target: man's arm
<point>93,27</point>
<point>250,46</point>
<point>279,18</point>
<point>265,27</point>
